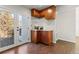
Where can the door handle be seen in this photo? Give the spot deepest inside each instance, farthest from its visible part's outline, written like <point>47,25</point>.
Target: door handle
<point>17,28</point>
<point>20,30</point>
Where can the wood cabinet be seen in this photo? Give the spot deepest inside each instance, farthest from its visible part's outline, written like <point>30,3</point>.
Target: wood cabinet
<point>45,37</point>
<point>48,13</point>
<point>34,36</point>
<point>39,36</point>
<point>35,13</point>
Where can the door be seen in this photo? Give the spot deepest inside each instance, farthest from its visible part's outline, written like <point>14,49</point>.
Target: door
<point>25,29</point>
<point>22,29</point>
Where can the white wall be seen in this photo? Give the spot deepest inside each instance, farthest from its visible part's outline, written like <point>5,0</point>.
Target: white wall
<point>77,21</point>
<point>65,23</point>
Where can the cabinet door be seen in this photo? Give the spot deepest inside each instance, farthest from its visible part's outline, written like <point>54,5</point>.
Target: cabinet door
<point>35,13</point>
<point>39,36</point>
<point>46,37</point>
<point>34,36</point>
<point>49,13</point>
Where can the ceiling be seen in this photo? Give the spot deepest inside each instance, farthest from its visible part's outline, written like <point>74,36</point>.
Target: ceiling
<point>39,7</point>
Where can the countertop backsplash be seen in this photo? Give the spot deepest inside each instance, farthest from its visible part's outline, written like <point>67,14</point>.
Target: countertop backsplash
<point>41,24</point>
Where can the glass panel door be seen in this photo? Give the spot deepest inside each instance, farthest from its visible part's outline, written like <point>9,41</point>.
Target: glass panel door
<point>6,28</point>
<point>19,34</point>
<point>22,29</point>
<point>19,28</point>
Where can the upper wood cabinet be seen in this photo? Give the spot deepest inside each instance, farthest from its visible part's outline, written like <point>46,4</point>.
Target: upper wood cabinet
<point>48,13</point>
<point>35,13</point>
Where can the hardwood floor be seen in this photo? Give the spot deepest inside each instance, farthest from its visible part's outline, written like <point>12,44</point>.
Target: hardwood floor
<point>61,47</point>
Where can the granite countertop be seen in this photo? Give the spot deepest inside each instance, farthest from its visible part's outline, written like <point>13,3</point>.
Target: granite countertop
<point>42,30</point>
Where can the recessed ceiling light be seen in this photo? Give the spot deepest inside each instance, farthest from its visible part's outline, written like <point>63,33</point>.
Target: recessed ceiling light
<point>49,10</point>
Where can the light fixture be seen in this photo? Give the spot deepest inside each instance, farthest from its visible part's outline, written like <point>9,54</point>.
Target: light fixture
<point>49,10</point>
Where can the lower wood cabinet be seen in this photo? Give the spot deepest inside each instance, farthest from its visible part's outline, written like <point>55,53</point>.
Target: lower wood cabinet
<point>34,36</point>
<point>45,37</point>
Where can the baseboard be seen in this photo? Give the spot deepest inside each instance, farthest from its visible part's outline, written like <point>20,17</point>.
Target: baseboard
<point>68,41</point>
